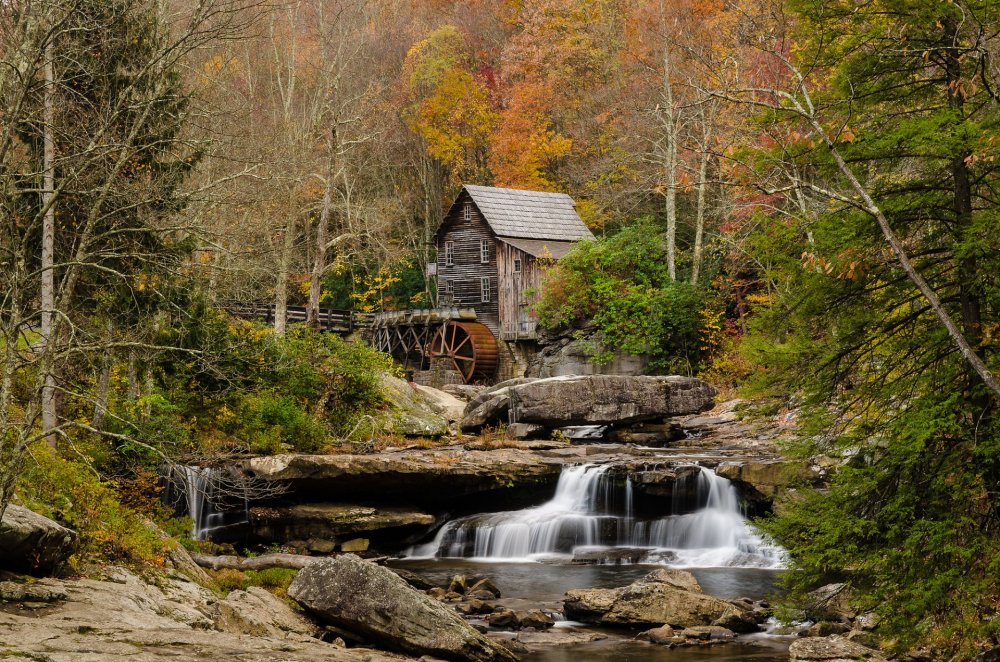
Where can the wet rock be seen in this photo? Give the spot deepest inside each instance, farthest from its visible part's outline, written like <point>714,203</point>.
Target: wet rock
<point>415,580</point>
<point>374,602</point>
<point>515,619</point>
<point>831,649</point>
<point>827,628</point>
<point>661,635</point>
<point>475,607</point>
<point>660,598</point>
<point>614,556</point>
<point>709,633</point>
<point>486,585</point>
<point>458,584</point>
<point>743,621</point>
<point>589,400</point>
<point>32,543</point>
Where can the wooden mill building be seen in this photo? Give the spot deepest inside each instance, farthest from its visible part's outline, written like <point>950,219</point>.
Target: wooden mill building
<point>491,247</point>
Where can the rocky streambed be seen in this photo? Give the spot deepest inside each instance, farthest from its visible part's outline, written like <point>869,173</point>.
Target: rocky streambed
<point>635,547</point>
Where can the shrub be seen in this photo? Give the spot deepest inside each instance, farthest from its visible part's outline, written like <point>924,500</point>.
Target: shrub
<point>69,491</point>
<point>621,284</point>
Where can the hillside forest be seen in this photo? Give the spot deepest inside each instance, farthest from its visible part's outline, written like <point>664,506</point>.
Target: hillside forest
<point>796,200</point>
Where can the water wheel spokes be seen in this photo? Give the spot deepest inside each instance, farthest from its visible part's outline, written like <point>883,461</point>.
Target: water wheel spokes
<point>471,348</point>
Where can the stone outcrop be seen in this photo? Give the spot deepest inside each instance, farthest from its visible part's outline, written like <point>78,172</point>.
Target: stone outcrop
<point>426,478</point>
<point>665,597</point>
<point>588,400</point>
<point>32,543</point>
<point>325,525</point>
<point>375,603</point>
<point>761,480</point>
<point>257,613</point>
<point>124,618</point>
<point>419,411</point>
<point>831,649</point>
<point>572,355</point>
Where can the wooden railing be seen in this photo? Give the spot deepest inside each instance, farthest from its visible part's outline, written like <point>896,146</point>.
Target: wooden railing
<point>332,320</point>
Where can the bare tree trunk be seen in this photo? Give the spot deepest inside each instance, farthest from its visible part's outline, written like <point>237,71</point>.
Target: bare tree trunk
<point>49,413</point>
<point>322,232</point>
<point>699,219</point>
<point>670,165</point>
<point>104,382</point>
<point>281,285</point>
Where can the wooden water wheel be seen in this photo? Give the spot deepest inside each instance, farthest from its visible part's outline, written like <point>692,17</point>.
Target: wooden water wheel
<point>471,347</point>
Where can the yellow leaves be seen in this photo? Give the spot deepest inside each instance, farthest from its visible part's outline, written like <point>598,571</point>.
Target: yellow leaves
<point>847,135</point>
<point>524,145</point>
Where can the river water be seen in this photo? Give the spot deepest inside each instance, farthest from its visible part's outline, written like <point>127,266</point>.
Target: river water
<point>529,555</point>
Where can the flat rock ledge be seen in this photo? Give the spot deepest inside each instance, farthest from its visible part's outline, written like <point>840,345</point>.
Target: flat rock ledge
<point>122,617</point>
<point>371,601</point>
<point>588,400</point>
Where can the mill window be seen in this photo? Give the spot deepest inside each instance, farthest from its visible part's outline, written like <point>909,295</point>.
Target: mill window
<point>517,265</point>
<point>449,253</point>
<point>484,287</point>
<point>484,251</point>
<point>467,211</point>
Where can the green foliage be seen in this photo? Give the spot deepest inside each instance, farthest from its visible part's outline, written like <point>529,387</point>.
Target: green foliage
<point>910,519</point>
<point>620,283</point>
<point>275,580</point>
<point>69,491</point>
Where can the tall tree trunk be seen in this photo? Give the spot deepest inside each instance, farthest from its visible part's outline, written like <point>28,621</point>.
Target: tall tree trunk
<point>49,412</point>
<point>699,219</point>
<point>670,165</point>
<point>707,125</point>
<point>104,380</point>
<point>322,233</point>
<point>281,284</point>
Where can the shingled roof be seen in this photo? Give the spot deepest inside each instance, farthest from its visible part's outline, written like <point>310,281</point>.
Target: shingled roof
<point>529,214</point>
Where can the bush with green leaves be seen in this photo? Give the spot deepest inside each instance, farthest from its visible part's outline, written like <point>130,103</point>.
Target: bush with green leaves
<point>621,285</point>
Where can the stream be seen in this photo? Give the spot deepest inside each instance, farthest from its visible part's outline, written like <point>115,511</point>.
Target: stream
<point>529,554</point>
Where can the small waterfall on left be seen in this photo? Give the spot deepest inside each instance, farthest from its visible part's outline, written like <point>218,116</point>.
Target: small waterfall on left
<point>208,500</point>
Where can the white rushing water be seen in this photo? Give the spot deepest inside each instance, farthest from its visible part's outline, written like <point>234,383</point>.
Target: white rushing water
<point>203,495</point>
<point>590,512</point>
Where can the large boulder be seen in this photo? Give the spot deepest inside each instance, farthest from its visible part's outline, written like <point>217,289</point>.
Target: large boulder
<point>831,649</point>
<point>369,600</point>
<point>588,400</point>
<point>414,412</point>
<point>663,597</point>
<point>258,613</point>
<point>32,543</point>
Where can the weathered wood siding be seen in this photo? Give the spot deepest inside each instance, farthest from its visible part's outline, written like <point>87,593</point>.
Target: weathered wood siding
<point>518,292</point>
<point>466,273</point>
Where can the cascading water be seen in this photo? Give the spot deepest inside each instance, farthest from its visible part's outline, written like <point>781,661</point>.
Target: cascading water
<point>203,496</point>
<point>590,511</point>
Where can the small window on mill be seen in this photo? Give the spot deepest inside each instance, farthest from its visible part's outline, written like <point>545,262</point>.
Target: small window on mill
<point>467,211</point>
<point>517,265</point>
<point>449,253</point>
<point>484,286</point>
<point>484,251</point>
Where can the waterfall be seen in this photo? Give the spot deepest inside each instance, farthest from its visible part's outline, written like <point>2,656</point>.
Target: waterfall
<point>590,511</point>
<point>204,496</point>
